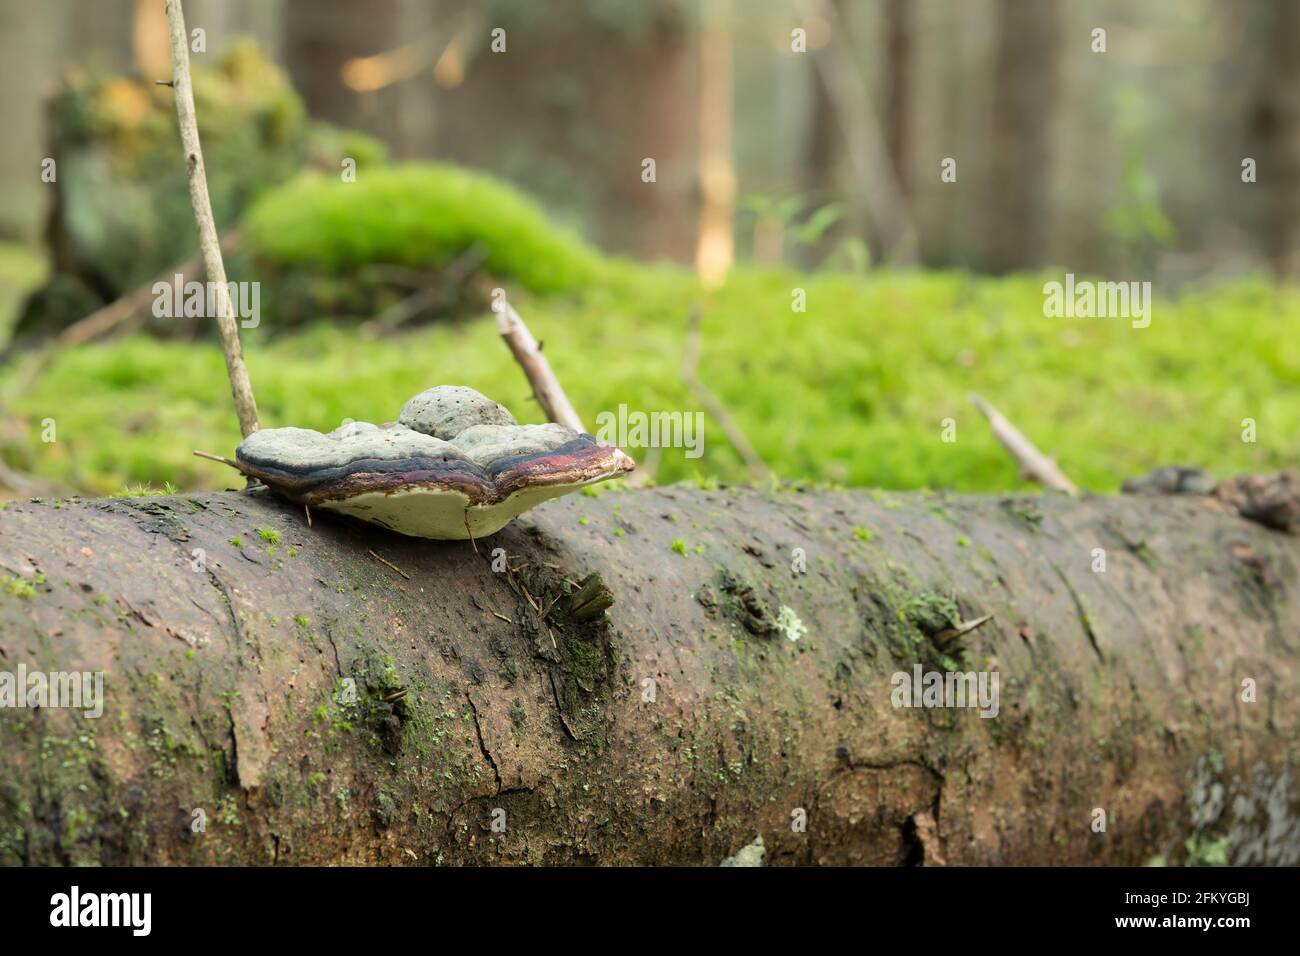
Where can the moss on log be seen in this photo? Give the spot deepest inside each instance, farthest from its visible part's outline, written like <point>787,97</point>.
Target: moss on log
<point>278,693</point>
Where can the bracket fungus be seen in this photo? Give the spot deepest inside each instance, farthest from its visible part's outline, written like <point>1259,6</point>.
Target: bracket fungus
<point>454,465</point>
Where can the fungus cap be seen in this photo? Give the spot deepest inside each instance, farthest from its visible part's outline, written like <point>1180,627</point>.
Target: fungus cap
<point>408,477</point>
<point>447,410</point>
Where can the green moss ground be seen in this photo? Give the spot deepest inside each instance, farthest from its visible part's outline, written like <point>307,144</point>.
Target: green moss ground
<point>853,391</point>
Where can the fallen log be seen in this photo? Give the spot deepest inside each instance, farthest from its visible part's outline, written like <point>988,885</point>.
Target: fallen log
<point>274,693</point>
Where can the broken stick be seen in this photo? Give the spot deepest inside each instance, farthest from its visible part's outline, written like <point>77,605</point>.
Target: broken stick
<point>1035,465</point>
<point>546,387</point>
<point>690,363</point>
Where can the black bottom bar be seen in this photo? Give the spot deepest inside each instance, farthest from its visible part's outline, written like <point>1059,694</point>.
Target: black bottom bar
<point>382,907</point>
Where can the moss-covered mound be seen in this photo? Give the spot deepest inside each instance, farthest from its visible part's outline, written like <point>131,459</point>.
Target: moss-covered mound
<point>420,216</point>
<point>325,246</point>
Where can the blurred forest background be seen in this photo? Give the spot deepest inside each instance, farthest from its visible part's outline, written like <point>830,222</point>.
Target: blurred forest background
<point>782,162</point>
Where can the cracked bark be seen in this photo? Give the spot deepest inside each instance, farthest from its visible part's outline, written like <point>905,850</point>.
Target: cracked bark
<point>679,726</point>
<point>482,746</point>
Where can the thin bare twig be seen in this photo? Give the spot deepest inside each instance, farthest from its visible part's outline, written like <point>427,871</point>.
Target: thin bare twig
<point>117,313</point>
<point>391,565</point>
<point>529,598</point>
<point>546,387</point>
<point>221,458</point>
<point>965,627</point>
<point>535,605</point>
<point>549,607</point>
<point>719,413</point>
<point>209,245</point>
<point>126,312</point>
<point>1035,465</point>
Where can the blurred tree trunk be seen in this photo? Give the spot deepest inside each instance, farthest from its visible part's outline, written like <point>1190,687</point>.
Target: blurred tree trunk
<point>320,36</point>
<point>27,47</point>
<point>1276,129</point>
<point>99,36</point>
<point>1024,98</point>
<point>714,249</point>
<point>821,167</point>
<point>864,138</point>
<point>150,47</point>
<point>572,109</point>
<point>415,116</point>
<point>898,90</point>
<point>823,138</point>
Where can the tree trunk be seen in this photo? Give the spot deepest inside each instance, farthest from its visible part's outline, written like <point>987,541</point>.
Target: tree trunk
<point>898,90</point>
<point>320,37</point>
<point>1275,126</point>
<point>563,89</point>
<point>1025,88</point>
<point>819,170</point>
<point>714,244</point>
<point>275,693</point>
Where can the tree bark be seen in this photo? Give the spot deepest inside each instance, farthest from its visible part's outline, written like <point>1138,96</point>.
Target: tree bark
<point>498,719</point>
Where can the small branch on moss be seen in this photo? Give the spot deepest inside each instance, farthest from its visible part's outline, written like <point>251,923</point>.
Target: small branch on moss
<point>209,246</point>
<point>546,387</point>
<point>757,469</point>
<point>1033,463</point>
<point>126,312</point>
<point>117,313</point>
